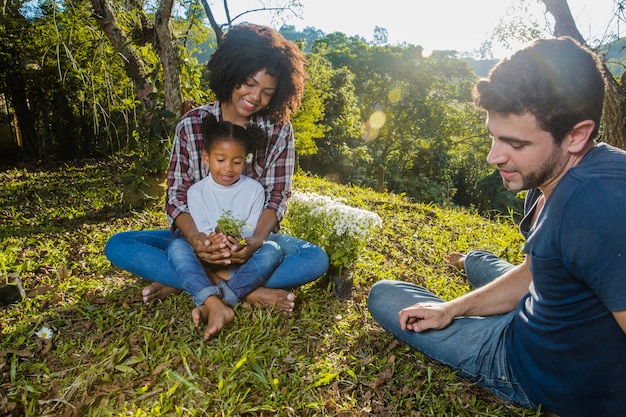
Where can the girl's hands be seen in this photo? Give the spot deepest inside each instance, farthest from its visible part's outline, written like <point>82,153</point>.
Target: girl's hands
<point>219,249</point>
<point>239,253</point>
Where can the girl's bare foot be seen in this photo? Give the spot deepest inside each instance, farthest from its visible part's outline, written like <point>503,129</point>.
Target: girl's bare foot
<point>456,259</point>
<point>157,291</point>
<point>214,314</point>
<point>270,297</point>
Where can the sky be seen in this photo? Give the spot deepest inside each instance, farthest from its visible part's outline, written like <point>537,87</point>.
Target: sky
<point>460,25</point>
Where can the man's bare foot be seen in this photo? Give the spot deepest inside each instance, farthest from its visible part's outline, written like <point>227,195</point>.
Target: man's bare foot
<point>157,291</point>
<point>270,297</point>
<point>214,313</point>
<point>456,259</point>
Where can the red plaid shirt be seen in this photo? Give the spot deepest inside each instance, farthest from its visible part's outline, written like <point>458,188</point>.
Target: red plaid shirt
<point>273,167</point>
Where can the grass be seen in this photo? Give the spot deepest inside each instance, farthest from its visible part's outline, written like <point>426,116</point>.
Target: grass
<point>112,355</point>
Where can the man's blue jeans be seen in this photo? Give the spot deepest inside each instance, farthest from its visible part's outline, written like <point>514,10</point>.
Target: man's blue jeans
<point>143,253</point>
<point>473,346</point>
<point>482,267</point>
<point>243,278</point>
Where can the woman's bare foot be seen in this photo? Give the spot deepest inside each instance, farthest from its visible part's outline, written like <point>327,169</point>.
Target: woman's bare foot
<point>214,313</point>
<point>157,291</point>
<point>270,297</point>
<point>456,259</point>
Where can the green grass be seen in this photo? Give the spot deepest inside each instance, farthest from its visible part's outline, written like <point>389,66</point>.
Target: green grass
<point>112,355</point>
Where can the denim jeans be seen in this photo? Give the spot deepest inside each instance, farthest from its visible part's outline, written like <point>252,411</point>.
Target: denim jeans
<point>482,267</point>
<point>243,278</point>
<point>473,346</point>
<point>143,253</point>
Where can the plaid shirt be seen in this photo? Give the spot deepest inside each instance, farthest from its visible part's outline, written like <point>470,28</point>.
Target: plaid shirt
<point>272,167</point>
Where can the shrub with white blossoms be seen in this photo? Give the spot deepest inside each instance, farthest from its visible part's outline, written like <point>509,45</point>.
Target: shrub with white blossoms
<point>341,230</point>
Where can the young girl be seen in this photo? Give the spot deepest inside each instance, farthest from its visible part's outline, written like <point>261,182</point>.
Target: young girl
<point>227,148</point>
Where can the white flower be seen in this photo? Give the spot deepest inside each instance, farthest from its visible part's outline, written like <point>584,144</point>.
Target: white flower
<point>45,333</point>
<point>249,158</point>
<point>342,230</point>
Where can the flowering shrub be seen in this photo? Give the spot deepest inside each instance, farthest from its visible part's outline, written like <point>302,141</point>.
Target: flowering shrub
<point>341,230</point>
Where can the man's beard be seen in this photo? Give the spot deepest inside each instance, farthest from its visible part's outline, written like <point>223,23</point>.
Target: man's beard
<point>549,169</point>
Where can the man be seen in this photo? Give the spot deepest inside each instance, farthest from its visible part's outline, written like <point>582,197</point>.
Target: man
<point>551,331</point>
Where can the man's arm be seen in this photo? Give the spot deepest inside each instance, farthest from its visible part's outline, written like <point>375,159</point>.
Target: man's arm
<point>620,318</point>
<point>500,296</point>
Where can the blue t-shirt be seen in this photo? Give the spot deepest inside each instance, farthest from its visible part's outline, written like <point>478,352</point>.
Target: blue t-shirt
<point>564,345</point>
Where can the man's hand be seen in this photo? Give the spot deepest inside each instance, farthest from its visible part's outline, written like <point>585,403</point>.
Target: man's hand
<point>424,316</point>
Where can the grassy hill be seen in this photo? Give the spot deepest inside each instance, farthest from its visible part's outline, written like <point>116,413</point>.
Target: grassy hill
<point>112,355</point>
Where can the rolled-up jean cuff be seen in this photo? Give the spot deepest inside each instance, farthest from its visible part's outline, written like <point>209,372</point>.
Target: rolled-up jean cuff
<point>205,293</point>
<point>228,296</point>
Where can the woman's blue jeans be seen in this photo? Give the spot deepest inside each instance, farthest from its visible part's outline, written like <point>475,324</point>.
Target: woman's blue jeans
<point>243,280</point>
<point>143,253</point>
<point>473,346</point>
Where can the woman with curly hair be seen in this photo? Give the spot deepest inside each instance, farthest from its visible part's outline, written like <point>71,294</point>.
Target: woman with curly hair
<point>258,78</point>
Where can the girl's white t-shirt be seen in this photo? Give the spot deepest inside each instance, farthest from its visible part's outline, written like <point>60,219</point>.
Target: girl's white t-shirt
<point>207,201</point>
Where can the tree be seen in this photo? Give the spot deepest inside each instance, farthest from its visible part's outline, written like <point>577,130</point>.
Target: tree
<point>339,150</point>
<point>16,39</point>
<point>287,6</point>
<point>381,36</point>
<point>67,102</point>
<point>614,119</point>
<point>306,121</point>
<point>133,63</point>
<point>307,37</point>
<point>409,106</point>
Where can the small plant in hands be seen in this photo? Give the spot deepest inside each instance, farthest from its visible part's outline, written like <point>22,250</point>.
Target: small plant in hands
<point>231,226</point>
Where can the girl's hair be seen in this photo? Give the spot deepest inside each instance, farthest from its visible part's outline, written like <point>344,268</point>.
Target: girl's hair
<point>213,131</point>
<point>248,48</point>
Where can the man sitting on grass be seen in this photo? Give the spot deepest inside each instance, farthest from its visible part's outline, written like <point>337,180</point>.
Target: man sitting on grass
<point>551,331</point>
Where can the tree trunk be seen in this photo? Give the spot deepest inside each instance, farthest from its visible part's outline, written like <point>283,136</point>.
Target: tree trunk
<point>170,57</point>
<point>25,121</point>
<point>133,65</point>
<point>614,118</point>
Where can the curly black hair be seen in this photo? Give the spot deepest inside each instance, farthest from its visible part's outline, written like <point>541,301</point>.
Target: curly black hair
<point>248,48</point>
<point>559,81</point>
<point>251,138</point>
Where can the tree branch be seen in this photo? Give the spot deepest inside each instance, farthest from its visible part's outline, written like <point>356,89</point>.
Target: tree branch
<point>133,65</point>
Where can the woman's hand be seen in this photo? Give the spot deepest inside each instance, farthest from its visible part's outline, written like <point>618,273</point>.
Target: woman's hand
<point>212,249</point>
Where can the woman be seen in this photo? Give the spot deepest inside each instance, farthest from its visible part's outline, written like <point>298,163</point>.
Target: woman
<point>258,77</point>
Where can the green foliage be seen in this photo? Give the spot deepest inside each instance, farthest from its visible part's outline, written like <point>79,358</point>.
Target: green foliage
<point>67,87</point>
<point>411,107</point>
<point>338,149</point>
<point>111,354</point>
<point>306,122</point>
<point>366,108</point>
<point>149,158</point>
<point>231,226</point>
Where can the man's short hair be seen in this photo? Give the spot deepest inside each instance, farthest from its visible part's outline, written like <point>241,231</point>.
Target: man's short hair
<point>559,81</point>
